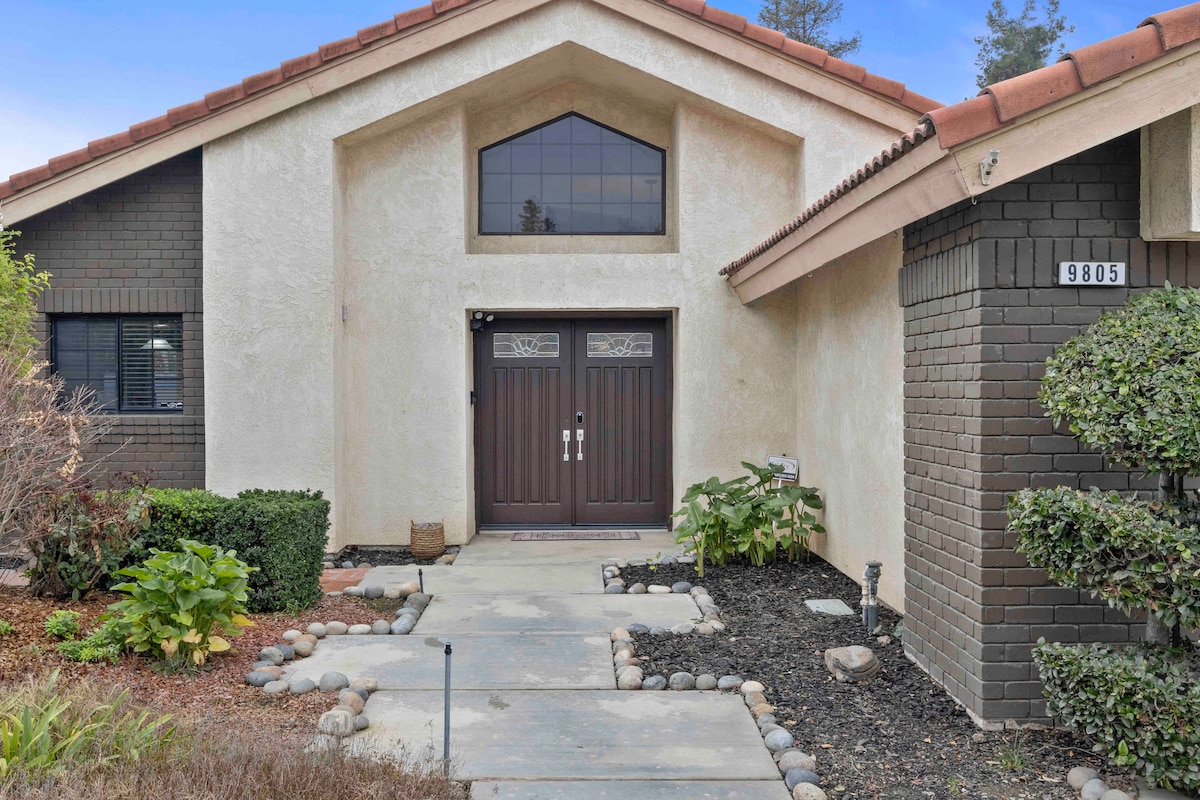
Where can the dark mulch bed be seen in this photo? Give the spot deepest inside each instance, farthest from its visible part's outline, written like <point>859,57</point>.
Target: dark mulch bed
<point>379,556</point>
<point>896,736</point>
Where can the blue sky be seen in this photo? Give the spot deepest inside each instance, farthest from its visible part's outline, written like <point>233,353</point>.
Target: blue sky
<point>76,71</point>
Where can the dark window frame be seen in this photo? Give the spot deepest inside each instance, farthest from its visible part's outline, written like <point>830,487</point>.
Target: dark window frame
<point>479,182</point>
<point>116,408</point>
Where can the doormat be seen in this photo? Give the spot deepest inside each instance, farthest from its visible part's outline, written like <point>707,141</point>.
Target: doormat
<point>563,536</point>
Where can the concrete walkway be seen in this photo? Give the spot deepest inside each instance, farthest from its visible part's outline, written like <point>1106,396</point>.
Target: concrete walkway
<point>534,711</point>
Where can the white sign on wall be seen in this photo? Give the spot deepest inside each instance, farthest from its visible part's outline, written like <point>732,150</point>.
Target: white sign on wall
<point>786,469</point>
<point>1092,273</point>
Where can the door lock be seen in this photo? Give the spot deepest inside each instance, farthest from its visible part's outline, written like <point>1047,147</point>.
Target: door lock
<point>578,417</point>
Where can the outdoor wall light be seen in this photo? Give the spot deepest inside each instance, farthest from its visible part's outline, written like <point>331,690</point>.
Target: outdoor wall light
<point>478,318</point>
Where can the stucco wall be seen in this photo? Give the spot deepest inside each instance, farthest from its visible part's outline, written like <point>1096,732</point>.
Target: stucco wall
<point>361,199</point>
<point>850,409</point>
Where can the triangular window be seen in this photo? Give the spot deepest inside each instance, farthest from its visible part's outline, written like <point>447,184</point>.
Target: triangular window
<point>571,175</point>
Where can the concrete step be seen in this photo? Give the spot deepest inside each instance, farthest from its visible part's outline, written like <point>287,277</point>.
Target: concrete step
<point>623,790</point>
<point>451,615</point>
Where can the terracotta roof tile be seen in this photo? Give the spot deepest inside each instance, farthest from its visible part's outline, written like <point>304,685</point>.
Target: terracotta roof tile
<point>109,144</point>
<point>1024,93</point>
<point>294,66</point>
<point>1178,26</point>
<point>851,72</point>
<point>151,127</point>
<point>331,51</point>
<point>187,113</point>
<point>30,176</point>
<point>263,80</point>
<point>6,190</point>
<point>223,97</point>
<point>885,86</point>
<point>805,52</point>
<point>1101,61</point>
<point>341,47</point>
<point>375,32</point>
<point>691,6</point>
<point>70,160</point>
<point>414,16</point>
<point>1002,103</point>
<point>765,35</point>
<point>735,22</point>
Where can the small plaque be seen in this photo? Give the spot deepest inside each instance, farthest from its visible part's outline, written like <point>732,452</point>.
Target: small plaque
<point>786,469</point>
<point>830,606</point>
<point>1092,273</point>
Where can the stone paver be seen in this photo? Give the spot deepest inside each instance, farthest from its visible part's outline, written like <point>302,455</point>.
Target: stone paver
<point>551,613</point>
<point>579,735</point>
<point>467,579</point>
<point>512,661</point>
<point>624,790</point>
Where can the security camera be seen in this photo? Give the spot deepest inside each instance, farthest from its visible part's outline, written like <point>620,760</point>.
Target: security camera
<point>987,165</point>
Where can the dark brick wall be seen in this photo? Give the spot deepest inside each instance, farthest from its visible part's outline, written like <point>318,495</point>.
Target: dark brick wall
<point>134,247</point>
<point>981,316</point>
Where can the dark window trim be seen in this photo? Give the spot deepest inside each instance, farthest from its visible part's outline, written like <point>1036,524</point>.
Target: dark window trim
<point>118,411</point>
<point>479,180</point>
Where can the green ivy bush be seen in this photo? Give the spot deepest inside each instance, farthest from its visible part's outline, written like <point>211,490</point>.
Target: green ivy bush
<point>747,518</point>
<point>1140,706</point>
<point>105,643</point>
<point>282,534</point>
<point>1128,384</point>
<point>180,602</point>
<point>1133,554</point>
<point>62,624</point>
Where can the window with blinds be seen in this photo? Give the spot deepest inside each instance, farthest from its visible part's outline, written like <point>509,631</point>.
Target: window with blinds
<point>131,363</point>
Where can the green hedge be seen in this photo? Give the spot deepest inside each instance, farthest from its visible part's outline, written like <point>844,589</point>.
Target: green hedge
<point>281,533</point>
<point>1139,705</point>
<point>1133,554</point>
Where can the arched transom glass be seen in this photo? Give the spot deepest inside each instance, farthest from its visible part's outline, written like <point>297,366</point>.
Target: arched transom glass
<point>571,176</point>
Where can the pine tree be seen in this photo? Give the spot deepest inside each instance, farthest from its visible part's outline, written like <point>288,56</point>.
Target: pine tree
<point>808,21</point>
<point>1016,45</point>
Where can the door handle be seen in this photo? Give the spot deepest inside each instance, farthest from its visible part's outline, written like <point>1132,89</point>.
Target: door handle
<point>566,445</point>
<point>579,441</point>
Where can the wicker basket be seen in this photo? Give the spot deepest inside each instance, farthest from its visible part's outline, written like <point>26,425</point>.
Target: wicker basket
<point>427,540</point>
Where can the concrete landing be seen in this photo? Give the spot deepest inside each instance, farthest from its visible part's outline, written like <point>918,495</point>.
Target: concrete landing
<point>479,662</point>
<point>467,579</point>
<point>623,790</point>
<point>453,614</point>
<point>498,550</point>
<point>585,735</point>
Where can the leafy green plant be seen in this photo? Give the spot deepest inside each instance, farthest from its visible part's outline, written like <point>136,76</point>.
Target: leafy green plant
<point>1012,754</point>
<point>747,518</point>
<point>1140,706</point>
<point>20,285</point>
<point>45,728</point>
<point>6,627</point>
<point>62,624</point>
<point>180,602</point>
<point>80,537</point>
<point>105,643</point>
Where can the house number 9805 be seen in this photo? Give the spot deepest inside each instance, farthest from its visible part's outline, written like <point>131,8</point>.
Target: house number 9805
<point>1091,273</point>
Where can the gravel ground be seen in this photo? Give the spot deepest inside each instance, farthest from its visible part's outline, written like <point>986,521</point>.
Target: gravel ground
<point>895,736</point>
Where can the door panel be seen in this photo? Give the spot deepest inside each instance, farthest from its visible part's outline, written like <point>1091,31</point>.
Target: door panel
<point>523,406</point>
<point>622,387</point>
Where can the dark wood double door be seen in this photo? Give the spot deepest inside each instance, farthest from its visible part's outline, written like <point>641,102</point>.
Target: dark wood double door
<point>572,421</point>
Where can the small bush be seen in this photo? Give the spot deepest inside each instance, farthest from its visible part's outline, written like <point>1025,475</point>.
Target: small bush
<point>179,603</point>
<point>747,518</point>
<point>1133,554</point>
<point>1140,706</point>
<point>79,538</point>
<point>282,534</point>
<point>46,728</point>
<point>5,627</point>
<point>105,643</point>
<point>62,624</point>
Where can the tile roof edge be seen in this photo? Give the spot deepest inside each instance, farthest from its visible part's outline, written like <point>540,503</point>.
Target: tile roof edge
<point>893,153</point>
<point>373,35</point>
<point>1004,103</point>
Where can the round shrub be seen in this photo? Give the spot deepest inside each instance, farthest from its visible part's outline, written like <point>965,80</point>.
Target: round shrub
<point>1130,384</point>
